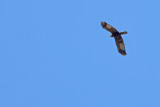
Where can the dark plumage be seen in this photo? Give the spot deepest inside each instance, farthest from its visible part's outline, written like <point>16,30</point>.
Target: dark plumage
<point>117,36</point>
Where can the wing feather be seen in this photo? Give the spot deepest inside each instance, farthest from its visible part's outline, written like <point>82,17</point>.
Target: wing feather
<point>120,45</point>
<point>108,27</point>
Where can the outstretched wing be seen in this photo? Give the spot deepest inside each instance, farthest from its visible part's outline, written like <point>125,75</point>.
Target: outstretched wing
<point>120,45</point>
<point>108,27</point>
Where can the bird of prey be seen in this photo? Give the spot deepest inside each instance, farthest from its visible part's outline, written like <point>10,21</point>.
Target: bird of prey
<point>117,36</point>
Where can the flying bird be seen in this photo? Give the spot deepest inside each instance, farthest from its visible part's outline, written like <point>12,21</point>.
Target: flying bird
<point>117,36</point>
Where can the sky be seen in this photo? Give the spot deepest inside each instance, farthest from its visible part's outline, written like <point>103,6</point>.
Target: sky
<point>54,53</point>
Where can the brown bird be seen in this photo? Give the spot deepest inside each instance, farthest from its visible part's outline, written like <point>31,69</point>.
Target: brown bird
<point>117,36</point>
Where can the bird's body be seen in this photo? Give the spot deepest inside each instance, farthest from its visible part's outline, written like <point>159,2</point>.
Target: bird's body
<point>114,34</point>
<point>117,36</point>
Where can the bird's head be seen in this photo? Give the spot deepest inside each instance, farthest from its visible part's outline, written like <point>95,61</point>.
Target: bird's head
<point>125,32</point>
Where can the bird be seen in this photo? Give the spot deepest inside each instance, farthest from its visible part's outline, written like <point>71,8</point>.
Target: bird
<point>117,36</point>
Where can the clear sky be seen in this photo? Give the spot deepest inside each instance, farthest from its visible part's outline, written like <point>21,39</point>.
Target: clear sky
<point>54,53</point>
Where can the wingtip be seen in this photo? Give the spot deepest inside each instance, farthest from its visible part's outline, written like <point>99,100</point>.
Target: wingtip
<point>103,24</point>
<point>122,52</point>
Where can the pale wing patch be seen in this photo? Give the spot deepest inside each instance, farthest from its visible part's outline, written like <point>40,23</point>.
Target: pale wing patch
<point>109,26</point>
<point>122,47</point>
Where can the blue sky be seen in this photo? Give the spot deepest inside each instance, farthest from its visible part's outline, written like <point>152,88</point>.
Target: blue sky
<point>54,53</point>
